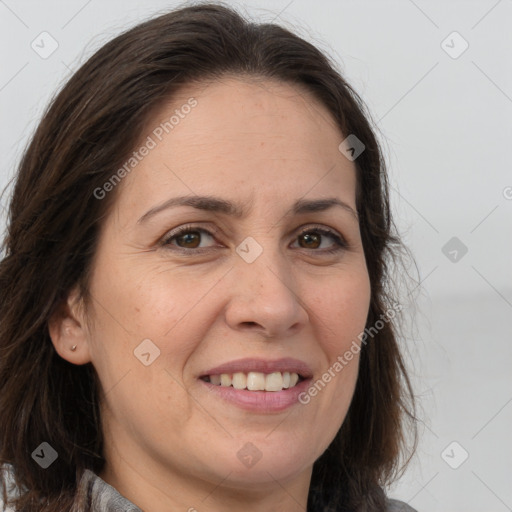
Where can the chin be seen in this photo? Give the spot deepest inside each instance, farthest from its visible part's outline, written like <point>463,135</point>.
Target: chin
<point>252,466</point>
<point>263,474</point>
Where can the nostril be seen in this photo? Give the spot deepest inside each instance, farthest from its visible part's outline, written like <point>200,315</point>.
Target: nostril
<point>250,324</point>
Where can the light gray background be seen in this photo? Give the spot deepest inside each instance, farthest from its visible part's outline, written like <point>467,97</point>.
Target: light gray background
<point>447,131</point>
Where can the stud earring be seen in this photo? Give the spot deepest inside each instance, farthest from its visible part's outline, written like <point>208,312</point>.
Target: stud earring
<point>73,348</point>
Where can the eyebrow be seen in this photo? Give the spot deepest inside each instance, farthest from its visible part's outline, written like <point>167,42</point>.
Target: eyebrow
<point>238,209</point>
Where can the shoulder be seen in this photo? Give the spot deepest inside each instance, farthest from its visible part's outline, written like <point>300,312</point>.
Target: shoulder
<point>398,506</point>
<point>7,483</point>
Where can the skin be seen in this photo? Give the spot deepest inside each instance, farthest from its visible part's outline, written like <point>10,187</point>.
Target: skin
<point>171,445</point>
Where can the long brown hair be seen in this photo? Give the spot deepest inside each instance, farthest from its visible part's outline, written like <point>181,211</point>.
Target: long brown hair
<point>53,223</point>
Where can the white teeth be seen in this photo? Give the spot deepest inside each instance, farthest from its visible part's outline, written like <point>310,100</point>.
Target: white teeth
<point>225,379</point>
<point>256,381</point>
<point>239,381</point>
<point>274,382</point>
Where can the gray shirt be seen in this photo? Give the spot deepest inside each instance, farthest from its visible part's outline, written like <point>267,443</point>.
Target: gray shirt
<point>102,497</point>
<point>106,499</point>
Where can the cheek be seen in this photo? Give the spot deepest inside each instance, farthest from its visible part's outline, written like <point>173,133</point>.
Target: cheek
<point>341,307</point>
<point>149,321</point>
<point>133,311</point>
<point>146,300</point>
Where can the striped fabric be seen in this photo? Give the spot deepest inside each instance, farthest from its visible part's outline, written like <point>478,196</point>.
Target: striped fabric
<point>95,495</point>
<point>102,497</point>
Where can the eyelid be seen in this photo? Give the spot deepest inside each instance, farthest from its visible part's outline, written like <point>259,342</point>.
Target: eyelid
<point>320,227</point>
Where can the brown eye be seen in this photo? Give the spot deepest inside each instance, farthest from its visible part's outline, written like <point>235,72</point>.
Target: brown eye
<point>311,240</point>
<point>189,240</point>
<point>318,238</point>
<point>189,237</point>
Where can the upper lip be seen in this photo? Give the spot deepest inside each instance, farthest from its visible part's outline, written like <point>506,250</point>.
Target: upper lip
<point>247,365</point>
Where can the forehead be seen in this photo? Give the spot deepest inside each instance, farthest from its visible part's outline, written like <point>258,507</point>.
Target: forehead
<point>251,111</point>
<point>234,136</point>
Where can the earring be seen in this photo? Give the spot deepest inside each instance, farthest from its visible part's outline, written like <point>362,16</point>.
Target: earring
<point>73,348</point>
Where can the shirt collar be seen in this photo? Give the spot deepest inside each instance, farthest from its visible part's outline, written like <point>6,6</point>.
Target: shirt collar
<point>102,497</point>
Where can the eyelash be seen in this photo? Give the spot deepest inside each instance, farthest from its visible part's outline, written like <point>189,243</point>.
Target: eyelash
<point>339,242</point>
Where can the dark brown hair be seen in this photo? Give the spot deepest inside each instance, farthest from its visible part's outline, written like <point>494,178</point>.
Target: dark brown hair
<point>54,219</point>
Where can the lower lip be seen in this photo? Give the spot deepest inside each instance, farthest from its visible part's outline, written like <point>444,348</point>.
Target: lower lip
<point>260,401</point>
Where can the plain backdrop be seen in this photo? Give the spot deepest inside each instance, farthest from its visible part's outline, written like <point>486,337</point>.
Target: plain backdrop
<point>437,78</point>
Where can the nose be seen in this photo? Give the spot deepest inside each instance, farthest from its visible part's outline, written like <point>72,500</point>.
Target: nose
<point>265,299</point>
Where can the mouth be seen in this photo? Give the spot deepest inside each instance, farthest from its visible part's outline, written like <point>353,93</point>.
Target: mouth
<point>259,385</point>
<point>255,381</point>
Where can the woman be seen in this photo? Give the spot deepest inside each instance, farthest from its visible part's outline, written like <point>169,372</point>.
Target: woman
<point>194,311</point>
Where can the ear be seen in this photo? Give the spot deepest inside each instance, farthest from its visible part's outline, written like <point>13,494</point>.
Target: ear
<point>67,328</point>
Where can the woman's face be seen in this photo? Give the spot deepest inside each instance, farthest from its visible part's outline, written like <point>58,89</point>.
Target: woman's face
<point>257,284</point>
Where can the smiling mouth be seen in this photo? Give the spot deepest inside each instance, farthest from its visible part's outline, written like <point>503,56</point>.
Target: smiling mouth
<point>255,381</point>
